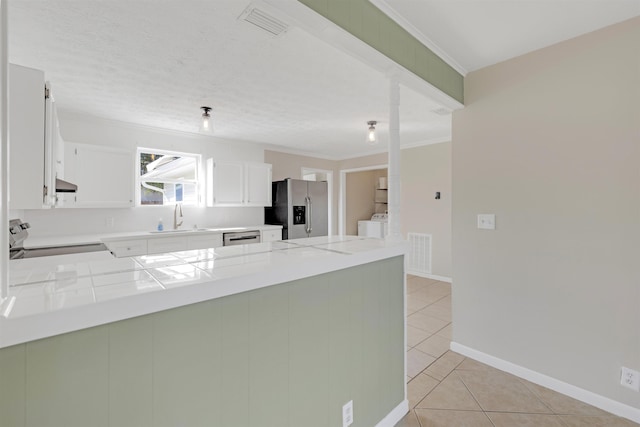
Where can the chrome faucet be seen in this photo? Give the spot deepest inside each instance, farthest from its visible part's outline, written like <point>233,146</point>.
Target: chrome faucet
<point>177,213</point>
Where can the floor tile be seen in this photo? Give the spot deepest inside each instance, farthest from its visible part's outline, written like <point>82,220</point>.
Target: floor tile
<point>561,404</point>
<point>474,365</point>
<point>427,323</point>
<point>439,418</point>
<point>451,393</point>
<point>417,361</point>
<point>409,420</point>
<point>435,345</point>
<point>416,335</point>
<point>502,419</point>
<point>584,421</point>
<point>430,295</point>
<point>416,304</point>
<point>501,392</point>
<point>438,311</point>
<point>446,332</point>
<point>419,387</point>
<point>444,365</point>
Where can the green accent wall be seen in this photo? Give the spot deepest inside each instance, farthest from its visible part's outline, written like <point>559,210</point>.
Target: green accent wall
<point>366,22</point>
<point>286,355</point>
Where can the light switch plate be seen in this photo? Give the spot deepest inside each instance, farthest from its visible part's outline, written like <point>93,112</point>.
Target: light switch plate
<point>487,221</point>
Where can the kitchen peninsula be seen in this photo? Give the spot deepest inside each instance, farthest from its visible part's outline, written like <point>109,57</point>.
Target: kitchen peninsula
<point>272,334</point>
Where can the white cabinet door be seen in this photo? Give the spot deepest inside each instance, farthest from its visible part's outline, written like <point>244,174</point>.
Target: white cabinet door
<point>104,176</point>
<point>227,183</point>
<point>166,244</point>
<point>204,241</point>
<point>26,137</point>
<point>258,184</point>
<point>270,235</point>
<point>232,183</point>
<point>123,248</point>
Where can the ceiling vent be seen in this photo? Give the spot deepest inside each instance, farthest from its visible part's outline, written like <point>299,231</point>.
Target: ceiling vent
<point>441,111</point>
<point>263,20</point>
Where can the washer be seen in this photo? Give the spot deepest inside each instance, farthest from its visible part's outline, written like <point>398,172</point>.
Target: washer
<point>376,227</point>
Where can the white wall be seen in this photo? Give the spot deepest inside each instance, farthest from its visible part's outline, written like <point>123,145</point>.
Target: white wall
<point>90,130</point>
<point>550,143</point>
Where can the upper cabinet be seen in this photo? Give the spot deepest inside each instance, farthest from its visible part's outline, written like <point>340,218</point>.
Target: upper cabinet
<point>36,150</point>
<point>26,138</point>
<point>104,176</point>
<point>231,183</point>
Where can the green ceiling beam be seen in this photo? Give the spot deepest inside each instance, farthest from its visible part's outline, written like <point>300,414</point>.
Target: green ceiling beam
<point>366,22</point>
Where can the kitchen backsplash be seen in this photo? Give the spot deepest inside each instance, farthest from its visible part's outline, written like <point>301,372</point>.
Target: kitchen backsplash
<point>54,222</point>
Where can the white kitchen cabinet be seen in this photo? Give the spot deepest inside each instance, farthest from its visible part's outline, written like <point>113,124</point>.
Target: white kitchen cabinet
<point>270,235</point>
<point>26,137</point>
<point>167,244</point>
<point>35,156</point>
<point>104,176</point>
<point>257,181</point>
<point>232,183</point>
<point>124,248</point>
<point>204,241</point>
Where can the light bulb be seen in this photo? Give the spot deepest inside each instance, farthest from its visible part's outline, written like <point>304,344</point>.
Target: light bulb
<point>371,133</point>
<point>207,121</point>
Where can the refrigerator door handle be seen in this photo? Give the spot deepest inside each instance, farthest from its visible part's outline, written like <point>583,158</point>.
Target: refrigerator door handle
<point>310,209</point>
<point>307,215</point>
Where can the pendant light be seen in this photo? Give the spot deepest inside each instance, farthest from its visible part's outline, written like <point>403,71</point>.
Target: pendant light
<point>207,121</point>
<point>371,133</point>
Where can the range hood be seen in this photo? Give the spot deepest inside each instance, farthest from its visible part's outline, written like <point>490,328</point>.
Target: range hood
<point>65,187</point>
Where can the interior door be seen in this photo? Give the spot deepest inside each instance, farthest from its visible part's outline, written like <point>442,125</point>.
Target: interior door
<point>297,208</point>
<point>318,193</point>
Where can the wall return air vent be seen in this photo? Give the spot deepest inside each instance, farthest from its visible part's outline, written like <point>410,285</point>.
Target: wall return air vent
<point>263,20</point>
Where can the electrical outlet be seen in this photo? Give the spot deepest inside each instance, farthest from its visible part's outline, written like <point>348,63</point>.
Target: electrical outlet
<point>630,378</point>
<point>347,414</point>
<point>487,221</point>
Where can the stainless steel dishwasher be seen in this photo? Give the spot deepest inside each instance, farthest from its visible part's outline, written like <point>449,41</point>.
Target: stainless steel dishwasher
<point>240,237</point>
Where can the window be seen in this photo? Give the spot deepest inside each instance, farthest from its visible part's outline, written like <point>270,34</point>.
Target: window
<point>167,178</point>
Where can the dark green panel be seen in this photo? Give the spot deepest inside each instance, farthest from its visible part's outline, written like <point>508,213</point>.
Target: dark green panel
<point>363,20</point>
<point>131,373</point>
<point>338,12</point>
<point>12,385</point>
<point>309,358</point>
<point>269,356</point>
<point>67,380</point>
<point>186,366</point>
<point>371,342</point>
<point>235,361</point>
<point>345,353</point>
<point>392,347</point>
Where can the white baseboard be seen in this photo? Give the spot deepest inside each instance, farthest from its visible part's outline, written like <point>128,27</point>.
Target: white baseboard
<point>430,276</point>
<point>593,399</point>
<point>395,415</point>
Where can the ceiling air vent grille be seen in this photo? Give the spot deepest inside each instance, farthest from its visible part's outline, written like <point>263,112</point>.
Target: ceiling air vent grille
<point>263,20</point>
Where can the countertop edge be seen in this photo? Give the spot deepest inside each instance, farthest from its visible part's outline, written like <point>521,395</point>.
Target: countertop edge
<point>20,330</point>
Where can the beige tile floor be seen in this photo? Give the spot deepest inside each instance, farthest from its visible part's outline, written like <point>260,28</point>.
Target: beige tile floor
<point>445,389</point>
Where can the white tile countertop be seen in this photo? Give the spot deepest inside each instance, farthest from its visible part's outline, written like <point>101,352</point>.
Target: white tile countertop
<point>85,239</point>
<point>58,294</point>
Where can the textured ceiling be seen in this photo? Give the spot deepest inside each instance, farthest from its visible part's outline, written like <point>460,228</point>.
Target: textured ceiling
<point>156,62</point>
<point>476,33</point>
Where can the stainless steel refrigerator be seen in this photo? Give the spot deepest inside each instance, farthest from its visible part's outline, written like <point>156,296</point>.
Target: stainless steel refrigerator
<point>300,207</point>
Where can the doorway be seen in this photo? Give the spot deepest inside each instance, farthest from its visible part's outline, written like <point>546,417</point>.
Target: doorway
<point>361,195</point>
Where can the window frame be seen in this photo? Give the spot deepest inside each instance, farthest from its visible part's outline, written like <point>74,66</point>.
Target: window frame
<point>198,180</point>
